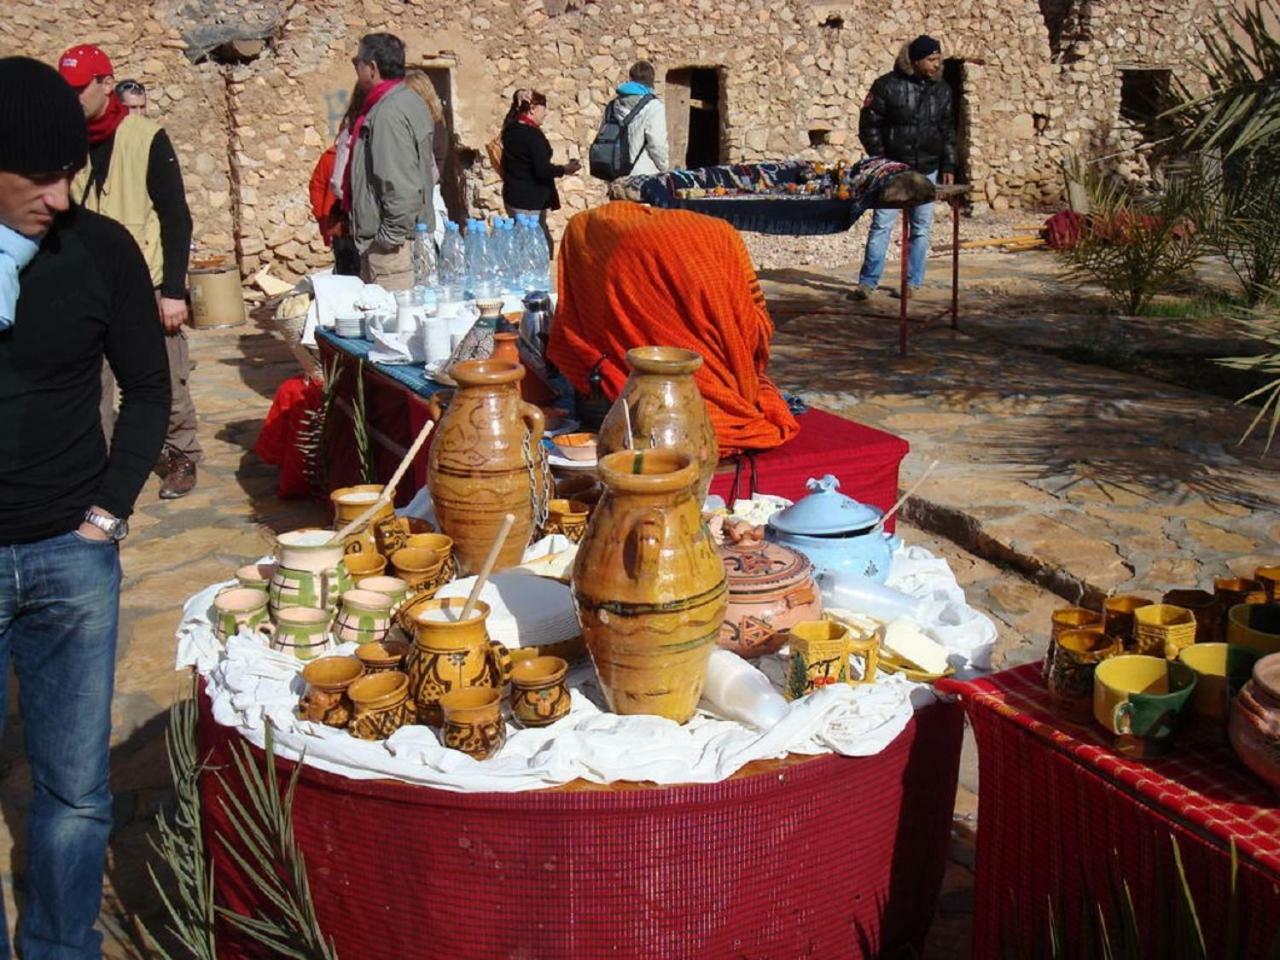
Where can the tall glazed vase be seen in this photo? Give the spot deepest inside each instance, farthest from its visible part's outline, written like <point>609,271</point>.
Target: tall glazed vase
<point>486,461</point>
<point>648,585</point>
<point>667,410</point>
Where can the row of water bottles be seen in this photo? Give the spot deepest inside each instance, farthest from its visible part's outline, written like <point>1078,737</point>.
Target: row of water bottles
<point>508,257</point>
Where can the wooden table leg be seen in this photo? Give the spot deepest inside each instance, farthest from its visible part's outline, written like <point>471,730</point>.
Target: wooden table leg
<point>955,262</point>
<point>902,292</point>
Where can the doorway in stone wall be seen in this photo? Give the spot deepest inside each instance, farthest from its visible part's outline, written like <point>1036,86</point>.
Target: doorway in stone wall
<point>954,75</point>
<point>693,102</point>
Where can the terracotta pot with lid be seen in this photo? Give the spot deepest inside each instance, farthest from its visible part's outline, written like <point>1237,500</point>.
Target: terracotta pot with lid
<point>771,588</point>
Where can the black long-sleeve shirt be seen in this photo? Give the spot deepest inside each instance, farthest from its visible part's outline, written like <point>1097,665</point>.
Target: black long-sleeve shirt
<point>168,196</point>
<point>86,294</point>
<point>528,175</point>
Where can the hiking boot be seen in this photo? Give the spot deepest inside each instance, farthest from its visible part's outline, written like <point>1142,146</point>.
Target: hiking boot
<point>861,292</point>
<point>181,478</point>
<point>164,463</point>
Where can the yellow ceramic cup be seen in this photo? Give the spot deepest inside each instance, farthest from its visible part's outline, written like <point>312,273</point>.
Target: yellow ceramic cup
<point>365,564</point>
<point>1256,626</point>
<point>1140,699</point>
<point>1222,670</point>
<point>819,656</point>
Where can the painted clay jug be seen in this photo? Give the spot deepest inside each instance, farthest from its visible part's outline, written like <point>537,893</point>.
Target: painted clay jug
<point>486,461</point>
<point>452,654</point>
<point>667,410</point>
<point>648,585</point>
<point>311,572</point>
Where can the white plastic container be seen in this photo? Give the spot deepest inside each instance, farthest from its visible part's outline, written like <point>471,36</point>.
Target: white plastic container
<point>737,690</point>
<point>848,591</point>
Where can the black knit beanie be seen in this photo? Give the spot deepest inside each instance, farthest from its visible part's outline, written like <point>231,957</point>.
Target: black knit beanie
<point>923,46</point>
<point>42,125</point>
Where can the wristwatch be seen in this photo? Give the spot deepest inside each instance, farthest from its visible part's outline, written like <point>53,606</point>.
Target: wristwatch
<point>113,527</point>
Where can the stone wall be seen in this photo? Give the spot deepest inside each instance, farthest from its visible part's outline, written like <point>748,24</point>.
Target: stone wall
<point>790,76</point>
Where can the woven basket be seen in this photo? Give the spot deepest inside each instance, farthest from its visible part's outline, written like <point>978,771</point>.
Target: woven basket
<point>1161,630</point>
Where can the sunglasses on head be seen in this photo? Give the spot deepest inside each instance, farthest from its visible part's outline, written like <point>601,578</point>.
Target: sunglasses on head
<point>130,86</point>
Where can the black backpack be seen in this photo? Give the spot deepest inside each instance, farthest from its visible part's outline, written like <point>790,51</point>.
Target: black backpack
<point>610,155</point>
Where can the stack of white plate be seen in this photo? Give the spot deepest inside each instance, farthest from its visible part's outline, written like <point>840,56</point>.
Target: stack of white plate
<point>525,610</point>
<point>350,327</point>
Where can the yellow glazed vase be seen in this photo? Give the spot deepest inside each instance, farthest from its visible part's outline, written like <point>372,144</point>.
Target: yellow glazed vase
<point>648,585</point>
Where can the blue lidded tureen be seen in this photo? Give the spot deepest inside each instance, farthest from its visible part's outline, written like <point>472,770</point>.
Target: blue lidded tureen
<point>835,532</point>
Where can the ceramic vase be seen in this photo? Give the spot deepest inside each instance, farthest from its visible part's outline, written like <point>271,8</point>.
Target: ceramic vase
<point>666,410</point>
<point>486,461</point>
<point>472,721</point>
<point>504,347</point>
<point>771,588</point>
<point>1254,727</point>
<point>649,588</point>
<point>311,572</point>
<point>327,680</point>
<point>452,654</point>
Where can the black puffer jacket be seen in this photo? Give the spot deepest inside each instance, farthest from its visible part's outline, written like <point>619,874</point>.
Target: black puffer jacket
<point>909,119</point>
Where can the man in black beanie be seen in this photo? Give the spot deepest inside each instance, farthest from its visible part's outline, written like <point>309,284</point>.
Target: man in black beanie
<point>907,117</point>
<point>73,290</point>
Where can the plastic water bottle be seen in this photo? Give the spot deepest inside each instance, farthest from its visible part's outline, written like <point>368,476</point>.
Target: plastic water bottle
<point>508,265</point>
<point>480,278</point>
<point>452,264</point>
<point>424,258</point>
<point>535,256</point>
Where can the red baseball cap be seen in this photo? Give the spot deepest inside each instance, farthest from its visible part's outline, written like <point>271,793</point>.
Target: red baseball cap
<point>81,65</point>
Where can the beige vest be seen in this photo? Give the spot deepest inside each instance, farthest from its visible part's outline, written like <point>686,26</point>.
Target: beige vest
<point>124,196</point>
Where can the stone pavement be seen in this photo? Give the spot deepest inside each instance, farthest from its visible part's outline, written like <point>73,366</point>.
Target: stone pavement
<point>1084,480</point>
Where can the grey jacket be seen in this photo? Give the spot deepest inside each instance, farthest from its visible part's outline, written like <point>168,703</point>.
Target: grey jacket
<point>647,135</point>
<point>391,172</point>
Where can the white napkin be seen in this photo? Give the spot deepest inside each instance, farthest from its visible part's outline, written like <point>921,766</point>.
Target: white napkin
<point>335,296</point>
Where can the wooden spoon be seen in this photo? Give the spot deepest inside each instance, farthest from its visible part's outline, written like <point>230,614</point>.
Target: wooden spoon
<point>389,490</point>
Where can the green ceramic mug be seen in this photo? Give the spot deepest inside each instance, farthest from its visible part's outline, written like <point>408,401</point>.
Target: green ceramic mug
<point>1222,670</point>
<point>239,608</point>
<point>1141,700</point>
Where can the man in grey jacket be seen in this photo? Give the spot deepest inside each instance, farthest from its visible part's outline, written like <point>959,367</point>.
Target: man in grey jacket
<point>647,133</point>
<point>391,164</point>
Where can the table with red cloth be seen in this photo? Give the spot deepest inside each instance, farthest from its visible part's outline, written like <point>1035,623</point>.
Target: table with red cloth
<point>822,857</point>
<point>865,460</point>
<point>1062,816</point>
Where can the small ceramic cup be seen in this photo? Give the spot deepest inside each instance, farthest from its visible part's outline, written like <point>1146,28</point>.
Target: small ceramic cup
<point>1269,577</point>
<point>256,576</point>
<point>1067,618</point>
<point>1201,605</point>
<point>1117,616</point>
<point>438,543</point>
<point>539,696</point>
<point>819,656</point>
<point>364,616</point>
<point>1141,701</point>
<point>301,631</point>
<point>1076,655</point>
<point>1231,592</point>
<point>393,587</point>
<point>380,705</point>
<point>1222,670</point>
<point>1162,629</point>
<point>326,699</point>
<point>1256,626</point>
<point>567,517</point>
<point>417,566</point>
<point>581,487</point>
<point>240,608</point>
<point>382,655</point>
<point>364,564</point>
<point>473,721</point>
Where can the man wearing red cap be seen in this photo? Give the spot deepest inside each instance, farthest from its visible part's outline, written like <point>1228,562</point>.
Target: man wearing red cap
<point>133,177</point>
<point>74,291</point>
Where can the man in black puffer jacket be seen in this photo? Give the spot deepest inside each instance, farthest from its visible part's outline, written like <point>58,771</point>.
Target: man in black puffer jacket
<point>907,117</point>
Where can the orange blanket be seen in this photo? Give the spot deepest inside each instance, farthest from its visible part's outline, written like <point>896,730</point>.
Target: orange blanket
<point>634,276</point>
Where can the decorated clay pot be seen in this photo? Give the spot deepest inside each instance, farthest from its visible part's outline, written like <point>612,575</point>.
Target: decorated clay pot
<point>256,576</point>
<point>568,517</point>
<point>311,572</point>
<point>382,655</point>
<point>1254,727</point>
<point>1076,656</point>
<point>1203,607</point>
<point>538,693</point>
<point>351,502</point>
<point>1117,616</point>
<point>1063,619</point>
<point>473,721</point>
<point>327,681</point>
<point>364,617</point>
<point>380,705</point>
<point>486,461</point>
<point>452,654</point>
<point>667,410</point>
<point>504,347</point>
<point>771,588</point>
<point>648,585</point>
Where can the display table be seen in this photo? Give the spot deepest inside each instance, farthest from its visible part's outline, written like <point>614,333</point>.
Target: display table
<point>865,460</point>
<point>1061,816</point>
<point>822,857</point>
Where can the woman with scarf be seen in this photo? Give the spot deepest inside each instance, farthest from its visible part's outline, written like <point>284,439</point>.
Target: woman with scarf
<point>528,175</point>
<point>326,193</point>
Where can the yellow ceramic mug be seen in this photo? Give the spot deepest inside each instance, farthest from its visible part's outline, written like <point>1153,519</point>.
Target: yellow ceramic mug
<point>819,656</point>
<point>1141,699</point>
<point>1222,670</point>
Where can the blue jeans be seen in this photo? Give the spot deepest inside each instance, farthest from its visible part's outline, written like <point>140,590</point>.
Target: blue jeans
<point>59,608</point>
<point>882,222</point>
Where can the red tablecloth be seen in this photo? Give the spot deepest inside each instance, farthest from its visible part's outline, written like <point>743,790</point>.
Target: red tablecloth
<point>1060,814</point>
<point>827,857</point>
<point>865,461</point>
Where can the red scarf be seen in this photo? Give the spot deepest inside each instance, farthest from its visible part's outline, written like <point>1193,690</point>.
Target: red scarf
<point>527,120</point>
<point>371,101</point>
<point>104,124</point>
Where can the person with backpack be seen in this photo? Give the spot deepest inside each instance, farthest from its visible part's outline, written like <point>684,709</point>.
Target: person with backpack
<point>528,175</point>
<point>632,140</point>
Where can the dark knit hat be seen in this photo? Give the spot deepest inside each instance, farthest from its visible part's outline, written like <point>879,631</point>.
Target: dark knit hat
<point>923,46</point>
<point>43,124</point>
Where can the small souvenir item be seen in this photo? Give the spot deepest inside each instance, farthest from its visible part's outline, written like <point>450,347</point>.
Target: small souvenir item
<point>381,656</point>
<point>1222,670</point>
<point>301,631</point>
<point>771,588</point>
<point>311,572</point>
<point>380,705</point>
<point>240,608</point>
<point>1076,657</point>
<point>819,657</point>
<point>1117,617</point>
<point>451,654</point>
<point>1254,727</point>
<point>365,616</point>
<point>538,694</point>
